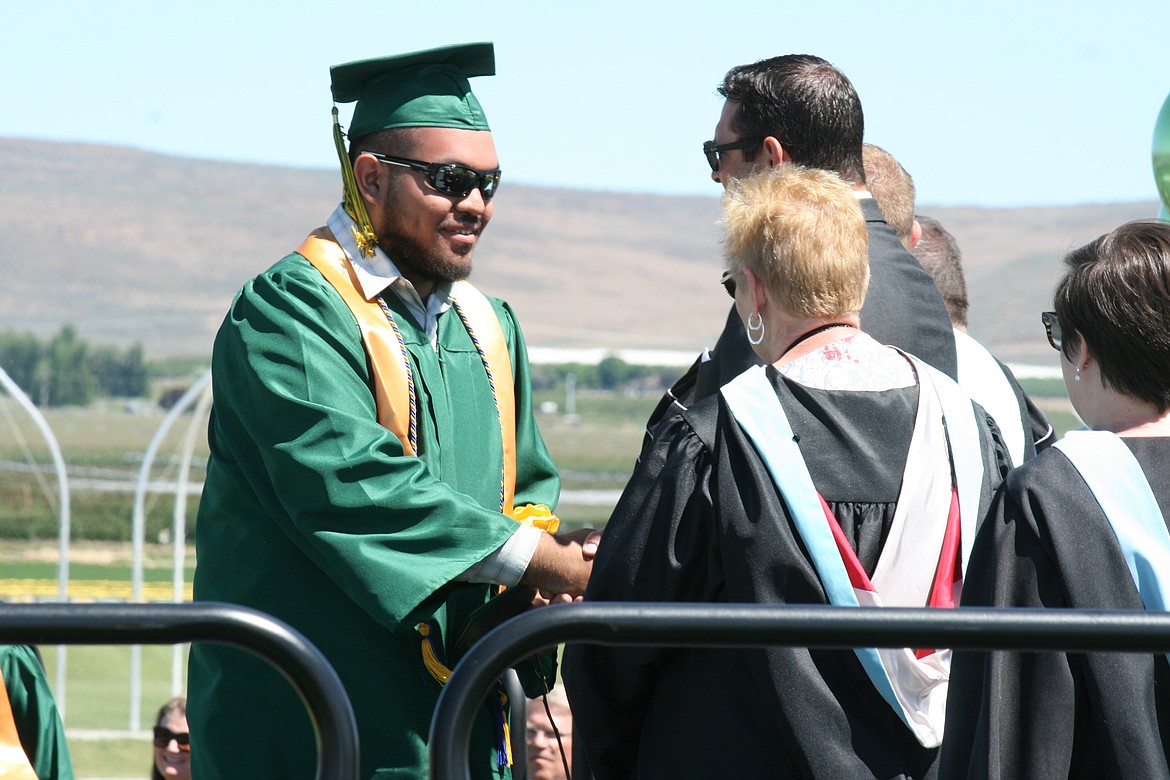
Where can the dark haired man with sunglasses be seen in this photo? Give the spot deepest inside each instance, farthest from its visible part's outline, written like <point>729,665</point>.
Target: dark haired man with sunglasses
<point>813,715</point>
<point>373,444</point>
<point>798,108</point>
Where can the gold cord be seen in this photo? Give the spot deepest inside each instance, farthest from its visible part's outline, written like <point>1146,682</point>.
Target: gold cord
<point>364,235</point>
<point>430,659</point>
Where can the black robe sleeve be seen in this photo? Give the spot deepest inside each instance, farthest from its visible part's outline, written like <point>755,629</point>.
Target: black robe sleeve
<point>656,548</point>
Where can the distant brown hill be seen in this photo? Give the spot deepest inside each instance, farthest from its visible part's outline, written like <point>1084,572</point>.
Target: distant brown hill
<point>129,246</point>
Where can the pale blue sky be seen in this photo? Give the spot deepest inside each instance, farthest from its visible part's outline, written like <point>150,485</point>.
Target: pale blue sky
<point>994,104</point>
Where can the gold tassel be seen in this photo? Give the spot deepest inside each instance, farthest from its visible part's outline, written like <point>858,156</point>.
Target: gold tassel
<point>364,235</point>
<point>430,660</point>
<point>503,730</point>
<point>538,515</point>
<point>508,742</point>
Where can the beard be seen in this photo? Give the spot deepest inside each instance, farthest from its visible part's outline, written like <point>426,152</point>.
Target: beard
<point>423,255</point>
<point>416,261</point>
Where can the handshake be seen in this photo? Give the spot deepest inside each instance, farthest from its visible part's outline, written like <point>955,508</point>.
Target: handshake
<point>561,565</point>
<point>557,574</point>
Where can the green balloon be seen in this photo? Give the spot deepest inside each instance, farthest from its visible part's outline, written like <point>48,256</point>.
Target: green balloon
<point>1161,157</point>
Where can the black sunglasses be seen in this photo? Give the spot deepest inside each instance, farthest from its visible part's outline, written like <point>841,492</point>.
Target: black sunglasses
<point>449,178</point>
<point>1052,328</point>
<point>728,282</point>
<point>712,150</point>
<point>163,737</point>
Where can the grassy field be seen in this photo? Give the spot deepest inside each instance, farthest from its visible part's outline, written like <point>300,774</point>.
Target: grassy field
<point>96,698</point>
<point>595,448</point>
<point>103,447</point>
<point>97,707</point>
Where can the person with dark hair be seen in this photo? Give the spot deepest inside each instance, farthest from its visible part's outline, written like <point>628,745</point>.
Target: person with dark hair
<point>798,108</point>
<point>808,108</point>
<point>172,742</point>
<point>841,471</point>
<point>376,473</point>
<point>1082,525</point>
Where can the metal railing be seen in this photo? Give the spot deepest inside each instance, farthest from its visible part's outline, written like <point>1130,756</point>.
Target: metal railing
<point>759,625</point>
<point>301,663</point>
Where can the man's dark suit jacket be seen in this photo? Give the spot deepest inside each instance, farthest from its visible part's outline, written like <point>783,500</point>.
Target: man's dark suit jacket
<point>902,308</point>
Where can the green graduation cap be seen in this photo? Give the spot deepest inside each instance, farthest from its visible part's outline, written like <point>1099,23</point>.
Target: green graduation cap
<point>419,89</point>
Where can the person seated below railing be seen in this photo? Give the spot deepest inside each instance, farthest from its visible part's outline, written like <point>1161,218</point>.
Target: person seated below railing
<point>172,742</point>
<point>549,737</point>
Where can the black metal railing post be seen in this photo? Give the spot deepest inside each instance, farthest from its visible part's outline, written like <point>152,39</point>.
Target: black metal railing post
<point>302,664</point>
<point>759,625</point>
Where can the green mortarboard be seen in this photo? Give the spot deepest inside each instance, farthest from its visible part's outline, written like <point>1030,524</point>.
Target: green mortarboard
<point>420,89</point>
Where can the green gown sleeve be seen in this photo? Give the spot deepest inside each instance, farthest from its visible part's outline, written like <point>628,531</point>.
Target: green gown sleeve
<point>38,723</point>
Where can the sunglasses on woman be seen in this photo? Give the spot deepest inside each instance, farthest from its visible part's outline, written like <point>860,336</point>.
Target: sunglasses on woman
<point>163,737</point>
<point>448,178</point>
<point>1052,328</point>
<point>728,282</point>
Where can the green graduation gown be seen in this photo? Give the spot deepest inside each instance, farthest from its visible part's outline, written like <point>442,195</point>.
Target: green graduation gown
<point>38,722</point>
<point>312,513</point>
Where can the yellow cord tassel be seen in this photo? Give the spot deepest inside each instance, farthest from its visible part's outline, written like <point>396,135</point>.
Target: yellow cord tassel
<point>503,730</point>
<point>538,515</point>
<point>430,660</point>
<point>364,235</point>
<point>442,674</point>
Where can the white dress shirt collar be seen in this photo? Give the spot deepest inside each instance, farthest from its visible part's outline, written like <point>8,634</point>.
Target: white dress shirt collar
<point>377,273</point>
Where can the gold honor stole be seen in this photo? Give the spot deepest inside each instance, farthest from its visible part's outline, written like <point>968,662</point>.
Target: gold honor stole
<point>393,398</point>
<point>391,389</point>
<point>14,761</point>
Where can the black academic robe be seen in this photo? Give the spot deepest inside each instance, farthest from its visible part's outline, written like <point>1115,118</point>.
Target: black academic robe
<point>903,308</point>
<point>702,521</point>
<point>1057,715</point>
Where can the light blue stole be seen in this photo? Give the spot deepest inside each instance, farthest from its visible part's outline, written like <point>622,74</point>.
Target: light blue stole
<point>1120,486</point>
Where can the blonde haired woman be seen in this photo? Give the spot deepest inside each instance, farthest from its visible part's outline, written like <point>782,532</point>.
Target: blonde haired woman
<point>826,476</point>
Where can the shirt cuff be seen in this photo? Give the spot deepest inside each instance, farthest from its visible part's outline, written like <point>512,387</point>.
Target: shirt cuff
<point>506,565</point>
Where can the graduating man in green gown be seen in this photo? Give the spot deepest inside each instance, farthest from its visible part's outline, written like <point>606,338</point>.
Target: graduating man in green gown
<point>372,442</point>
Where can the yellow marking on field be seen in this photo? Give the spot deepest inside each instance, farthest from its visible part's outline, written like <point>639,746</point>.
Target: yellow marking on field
<point>27,591</point>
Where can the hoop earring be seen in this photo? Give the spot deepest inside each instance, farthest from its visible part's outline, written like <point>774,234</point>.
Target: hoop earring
<point>751,328</point>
